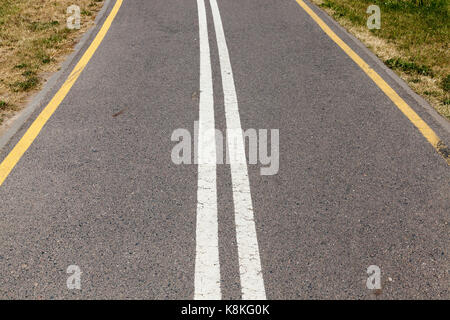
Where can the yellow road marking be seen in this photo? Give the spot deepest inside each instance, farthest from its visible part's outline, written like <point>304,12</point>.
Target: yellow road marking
<point>426,131</point>
<point>25,142</point>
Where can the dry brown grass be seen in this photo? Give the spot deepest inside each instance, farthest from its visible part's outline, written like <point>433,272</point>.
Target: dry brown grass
<point>418,36</point>
<point>34,40</point>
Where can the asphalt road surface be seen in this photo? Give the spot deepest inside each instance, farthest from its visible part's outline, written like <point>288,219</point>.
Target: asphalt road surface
<point>358,183</point>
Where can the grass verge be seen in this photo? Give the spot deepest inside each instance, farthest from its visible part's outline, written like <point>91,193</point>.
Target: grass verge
<point>413,41</point>
<point>34,40</point>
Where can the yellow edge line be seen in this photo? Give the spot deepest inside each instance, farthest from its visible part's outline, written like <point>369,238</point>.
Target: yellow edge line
<point>426,131</point>
<point>25,142</point>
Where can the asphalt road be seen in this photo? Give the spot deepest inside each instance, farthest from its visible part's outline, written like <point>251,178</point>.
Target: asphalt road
<point>357,184</point>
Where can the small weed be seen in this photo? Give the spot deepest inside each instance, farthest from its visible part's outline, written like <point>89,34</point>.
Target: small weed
<point>30,83</point>
<point>40,26</point>
<point>3,105</point>
<point>28,73</point>
<point>6,106</point>
<point>21,66</point>
<point>409,67</point>
<point>42,56</point>
<point>446,83</point>
<point>431,93</point>
<point>86,13</point>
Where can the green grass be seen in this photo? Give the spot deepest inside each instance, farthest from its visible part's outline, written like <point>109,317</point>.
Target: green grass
<point>7,9</point>
<point>410,23</point>
<point>33,41</point>
<point>418,30</point>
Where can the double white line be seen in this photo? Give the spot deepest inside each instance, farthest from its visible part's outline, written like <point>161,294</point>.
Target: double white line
<point>207,266</point>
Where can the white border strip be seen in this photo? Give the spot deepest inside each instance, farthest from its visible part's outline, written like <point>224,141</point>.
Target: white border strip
<point>252,283</point>
<point>207,268</point>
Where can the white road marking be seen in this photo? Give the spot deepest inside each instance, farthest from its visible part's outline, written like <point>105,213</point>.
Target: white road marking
<point>252,282</point>
<point>207,268</point>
